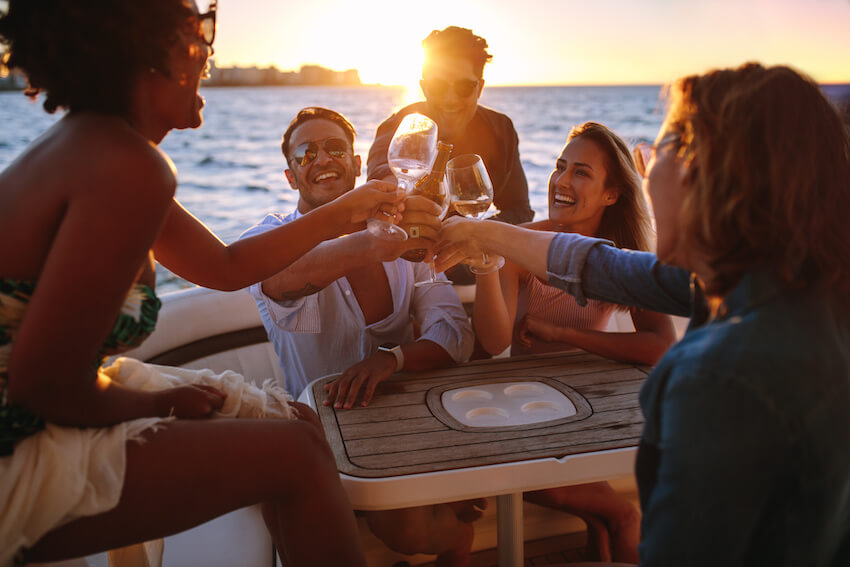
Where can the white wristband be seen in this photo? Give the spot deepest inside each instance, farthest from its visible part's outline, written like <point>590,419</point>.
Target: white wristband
<point>395,350</point>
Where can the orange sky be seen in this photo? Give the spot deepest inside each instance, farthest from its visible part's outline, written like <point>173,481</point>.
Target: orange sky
<point>542,41</point>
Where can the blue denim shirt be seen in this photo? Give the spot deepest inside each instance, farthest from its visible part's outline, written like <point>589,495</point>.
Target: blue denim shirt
<point>745,453</point>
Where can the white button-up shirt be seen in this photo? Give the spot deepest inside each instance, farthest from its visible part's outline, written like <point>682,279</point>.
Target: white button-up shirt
<point>326,332</point>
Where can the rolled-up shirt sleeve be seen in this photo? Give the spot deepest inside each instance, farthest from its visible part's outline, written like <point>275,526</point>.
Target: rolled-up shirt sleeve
<point>300,315</point>
<point>442,318</point>
<point>593,268</point>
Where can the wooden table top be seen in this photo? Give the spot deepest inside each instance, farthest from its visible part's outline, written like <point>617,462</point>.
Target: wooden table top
<point>405,429</point>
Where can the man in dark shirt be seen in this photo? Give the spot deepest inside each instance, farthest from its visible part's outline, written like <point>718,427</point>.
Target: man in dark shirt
<point>452,80</point>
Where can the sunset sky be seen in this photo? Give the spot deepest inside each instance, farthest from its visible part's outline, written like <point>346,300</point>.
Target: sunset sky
<point>542,42</point>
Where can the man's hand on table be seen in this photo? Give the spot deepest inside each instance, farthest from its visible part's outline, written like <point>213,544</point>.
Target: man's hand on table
<point>367,374</point>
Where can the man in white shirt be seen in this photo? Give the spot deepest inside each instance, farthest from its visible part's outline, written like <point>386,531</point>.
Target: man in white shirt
<point>332,309</point>
<point>350,306</point>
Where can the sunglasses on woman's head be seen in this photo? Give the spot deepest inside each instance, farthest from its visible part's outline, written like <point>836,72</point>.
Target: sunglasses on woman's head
<point>438,87</point>
<point>308,151</point>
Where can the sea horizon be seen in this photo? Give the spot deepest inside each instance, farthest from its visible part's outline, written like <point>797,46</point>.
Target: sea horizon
<point>230,171</point>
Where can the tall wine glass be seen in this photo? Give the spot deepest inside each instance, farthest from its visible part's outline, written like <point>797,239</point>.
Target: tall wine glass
<point>410,156</point>
<point>471,194</point>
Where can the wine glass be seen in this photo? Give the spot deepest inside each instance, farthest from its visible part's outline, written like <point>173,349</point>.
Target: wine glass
<point>410,156</point>
<point>472,194</point>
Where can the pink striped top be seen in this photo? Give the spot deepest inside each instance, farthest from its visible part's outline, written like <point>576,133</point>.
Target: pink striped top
<point>550,304</point>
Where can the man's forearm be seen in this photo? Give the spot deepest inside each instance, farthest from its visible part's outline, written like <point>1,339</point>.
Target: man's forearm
<point>316,270</point>
<point>425,355</point>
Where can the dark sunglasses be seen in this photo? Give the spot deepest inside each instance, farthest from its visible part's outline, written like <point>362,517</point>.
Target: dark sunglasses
<point>208,23</point>
<point>308,151</point>
<point>438,87</point>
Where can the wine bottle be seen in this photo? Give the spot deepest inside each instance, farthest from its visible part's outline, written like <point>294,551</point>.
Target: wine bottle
<point>432,186</point>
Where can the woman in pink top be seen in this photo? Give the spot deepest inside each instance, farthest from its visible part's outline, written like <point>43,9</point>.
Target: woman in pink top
<point>594,190</point>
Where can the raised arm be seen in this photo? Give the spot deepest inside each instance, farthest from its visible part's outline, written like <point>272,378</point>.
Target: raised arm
<point>582,266</point>
<point>495,307</point>
<point>188,248</point>
<point>328,262</point>
<point>525,247</point>
<point>333,259</point>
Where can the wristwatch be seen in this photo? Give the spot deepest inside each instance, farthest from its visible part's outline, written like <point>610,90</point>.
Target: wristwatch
<point>395,350</point>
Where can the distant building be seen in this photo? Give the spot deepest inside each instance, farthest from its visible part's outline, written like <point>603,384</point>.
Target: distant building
<point>308,75</point>
<point>15,81</point>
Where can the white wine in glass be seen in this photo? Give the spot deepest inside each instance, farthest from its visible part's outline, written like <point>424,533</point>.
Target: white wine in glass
<point>473,208</point>
<point>410,156</point>
<point>472,194</point>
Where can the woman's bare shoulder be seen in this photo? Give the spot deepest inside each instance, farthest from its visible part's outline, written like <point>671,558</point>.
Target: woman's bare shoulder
<point>117,152</point>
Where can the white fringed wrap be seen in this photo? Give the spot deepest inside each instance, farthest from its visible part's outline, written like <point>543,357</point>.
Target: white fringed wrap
<point>64,473</point>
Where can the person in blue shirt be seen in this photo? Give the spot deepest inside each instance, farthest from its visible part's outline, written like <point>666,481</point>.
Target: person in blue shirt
<point>745,453</point>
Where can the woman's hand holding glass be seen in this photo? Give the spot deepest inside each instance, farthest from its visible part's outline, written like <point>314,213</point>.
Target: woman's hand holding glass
<point>458,243</point>
<point>471,195</point>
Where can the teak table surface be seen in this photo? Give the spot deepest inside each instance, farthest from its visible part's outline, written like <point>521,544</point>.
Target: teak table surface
<point>405,429</point>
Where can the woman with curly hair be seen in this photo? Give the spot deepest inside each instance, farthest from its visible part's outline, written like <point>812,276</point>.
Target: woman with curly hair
<point>87,462</point>
<point>745,452</point>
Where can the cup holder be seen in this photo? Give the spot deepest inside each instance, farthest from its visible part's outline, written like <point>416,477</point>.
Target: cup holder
<point>527,389</point>
<point>471,396</point>
<point>506,404</point>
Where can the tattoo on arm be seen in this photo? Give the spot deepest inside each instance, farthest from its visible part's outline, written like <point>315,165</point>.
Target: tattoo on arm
<point>308,289</point>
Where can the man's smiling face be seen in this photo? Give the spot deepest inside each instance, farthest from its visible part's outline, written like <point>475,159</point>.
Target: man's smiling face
<point>326,177</point>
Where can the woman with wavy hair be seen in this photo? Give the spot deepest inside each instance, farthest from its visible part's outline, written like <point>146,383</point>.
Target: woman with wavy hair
<point>84,212</point>
<point>594,190</point>
<point>745,452</point>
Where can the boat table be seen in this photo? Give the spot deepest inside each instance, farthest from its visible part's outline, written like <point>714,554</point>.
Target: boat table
<point>407,449</point>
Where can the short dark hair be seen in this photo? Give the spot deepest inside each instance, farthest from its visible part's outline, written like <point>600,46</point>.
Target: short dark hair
<point>317,113</point>
<point>85,55</point>
<point>458,42</point>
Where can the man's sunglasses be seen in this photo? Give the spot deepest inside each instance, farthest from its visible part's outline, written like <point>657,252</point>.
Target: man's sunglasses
<point>438,87</point>
<point>308,151</point>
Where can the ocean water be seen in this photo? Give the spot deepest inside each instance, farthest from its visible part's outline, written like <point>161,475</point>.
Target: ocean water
<point>230,171</point>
